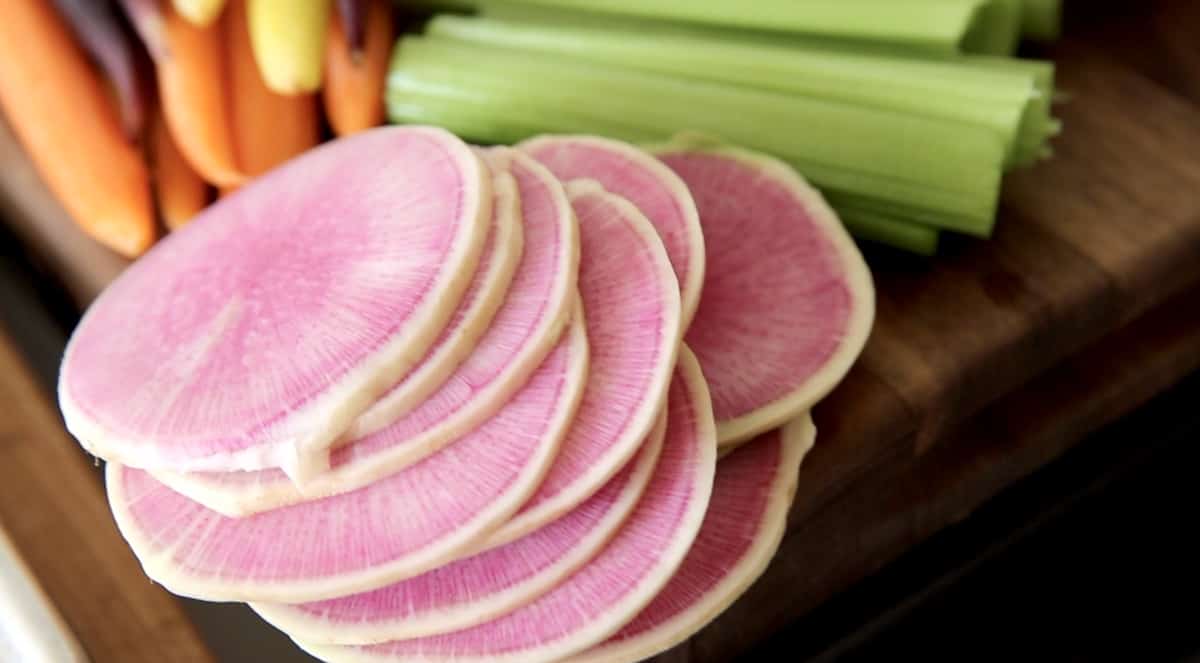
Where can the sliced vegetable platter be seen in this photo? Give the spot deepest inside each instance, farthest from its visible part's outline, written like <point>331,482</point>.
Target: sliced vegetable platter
<point>906,115</point>
<point>418,400</point>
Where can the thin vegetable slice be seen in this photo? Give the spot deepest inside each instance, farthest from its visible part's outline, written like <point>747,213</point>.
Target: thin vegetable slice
<point>788,300</point>
<point>255,335</point>
<point>644,181</point>
<point>398,527</point>
<point>608,592</point>
<point>521,333</point>
<point>235,494</point>
<point>632,299</point>
<point>481,587</point>
<point>742,529</point>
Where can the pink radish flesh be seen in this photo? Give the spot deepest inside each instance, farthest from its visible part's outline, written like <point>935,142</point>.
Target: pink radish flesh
<point>255,336</point>
<point>481,587</point>
<point>397,527</point>
<point>520,334</point>
<point>632,308</point>
<point>609,591</point>
<point>644,181</point>
<point>488,289</point>
<point>787,301</point>
<point>742,529</point>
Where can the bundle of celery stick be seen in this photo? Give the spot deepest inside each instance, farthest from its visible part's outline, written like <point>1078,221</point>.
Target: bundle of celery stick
<point>906,113</point>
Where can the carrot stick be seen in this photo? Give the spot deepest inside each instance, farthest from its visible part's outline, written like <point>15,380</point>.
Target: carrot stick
<point>354,81</point>
<point>268,128</point>
<point>181,192</point>
<point>69,125</point>
<point>192,86</point>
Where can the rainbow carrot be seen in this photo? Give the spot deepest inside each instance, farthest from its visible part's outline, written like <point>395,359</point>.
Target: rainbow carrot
<point>192,86</point>
<point>354,81</point>
<point>268,128</point>
<point>180,191</point>
<point>65,118</point>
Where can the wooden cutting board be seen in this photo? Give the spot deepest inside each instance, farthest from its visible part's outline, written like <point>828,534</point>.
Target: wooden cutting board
<point>1096,253</point>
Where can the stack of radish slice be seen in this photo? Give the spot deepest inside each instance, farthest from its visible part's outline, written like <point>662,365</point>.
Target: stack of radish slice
<point>419,401</point>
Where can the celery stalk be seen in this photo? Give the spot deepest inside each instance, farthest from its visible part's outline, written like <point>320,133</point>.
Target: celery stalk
<point>996,29</point>
<point>991,98</point>
<point>1041,20</point>
<point>876,227</point>
<point>932,165</point>
<point>922,25</point>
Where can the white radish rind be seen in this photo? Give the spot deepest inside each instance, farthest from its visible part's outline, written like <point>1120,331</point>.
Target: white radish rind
<point>742,530</point>
<point>632,301</point>
<point>398,527</point>
<point>609,591</point>
<point>482,587</point>
<point>234,495</point>
<point>256,335</point>
<point>788,300</point>
<point>643,180</point>
<point>521,334</point>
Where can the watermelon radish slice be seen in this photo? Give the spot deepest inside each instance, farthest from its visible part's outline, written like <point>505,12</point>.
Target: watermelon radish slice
<point>632,301</point>
<point>397,527</point>
<point>255,336</point>
<point>487,293</point>
<point>522,332</point>
<point>482,587</point>
<point>653,188</point>
<point>742,530</point>
<point>788,300</point>
<point>609,591</point>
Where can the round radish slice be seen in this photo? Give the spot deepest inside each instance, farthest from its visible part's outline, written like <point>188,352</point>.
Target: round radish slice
<point>482,587</point>
<point>632,303</point>
<point>610,590</point>
<point>256,335</point>
<point>520,335</point>
<point>487,292</point>
<point>400,526</point>
<point>644,181</point>
<point>742,530</point>
<point>788,300</point>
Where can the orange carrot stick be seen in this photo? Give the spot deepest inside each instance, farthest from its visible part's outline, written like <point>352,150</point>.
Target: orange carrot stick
<point>68,123</point>
<point>354,82</point>
<point>268,128</point>
<point>193,89</point>
<point>181,192</point>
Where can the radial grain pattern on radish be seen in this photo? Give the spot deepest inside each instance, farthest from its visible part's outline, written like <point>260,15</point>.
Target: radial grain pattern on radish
<point>253,337</point>
<point>481,587</point>
<point>609,591</point>
<point>521,333</point>
<point>742,529</point>
<point>788,301</point>
<point>632,302</point>
<point>397,527</point>
<point>644,181</point>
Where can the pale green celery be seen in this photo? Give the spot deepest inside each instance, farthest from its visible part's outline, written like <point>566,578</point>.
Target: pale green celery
<point>1037,122</point>
<point>1041,20</point>
<point>926,25</point>
<point>920,157</point>
<point>993,99</point>
<point>418,95</point>
<point>997,28</point>
<point>869,225</point>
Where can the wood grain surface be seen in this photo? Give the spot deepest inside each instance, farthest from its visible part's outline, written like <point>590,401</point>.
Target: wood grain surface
<point>1094,269</point>
<point>53,508</point>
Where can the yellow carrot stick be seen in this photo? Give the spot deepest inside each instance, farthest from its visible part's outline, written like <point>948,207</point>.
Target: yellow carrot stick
<point>268,128</point>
